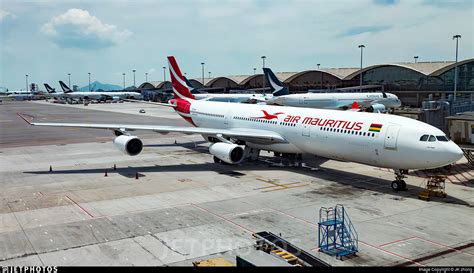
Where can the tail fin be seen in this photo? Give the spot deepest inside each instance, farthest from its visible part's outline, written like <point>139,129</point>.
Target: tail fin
<point>65,88</point>
<point>180,88</point>
<point>275,84</point>
<point>189,84</point>
<point>355,107</point>
<point>49,89</point>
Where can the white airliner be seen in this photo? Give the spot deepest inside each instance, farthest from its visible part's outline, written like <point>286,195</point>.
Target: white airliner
<point>233,97</point>
<point>372,102</point>
<point>239,132</point>
<point>97,95</point>
<point>237,98</point>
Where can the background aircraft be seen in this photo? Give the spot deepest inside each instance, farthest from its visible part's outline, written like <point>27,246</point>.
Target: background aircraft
<point>227,97</point>
<point>371,102</point>
<point>99,95</point>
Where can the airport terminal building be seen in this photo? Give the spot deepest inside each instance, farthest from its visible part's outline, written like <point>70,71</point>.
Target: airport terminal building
<point>412,82</point>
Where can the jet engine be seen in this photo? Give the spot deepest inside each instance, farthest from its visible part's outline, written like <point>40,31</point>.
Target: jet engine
<point>229,153</point>
<point>130,145</point>
<point>376,108</point>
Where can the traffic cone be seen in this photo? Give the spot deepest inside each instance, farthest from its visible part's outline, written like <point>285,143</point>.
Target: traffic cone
<point>136,175</point>
<point>105,173</point>
<point>50,168</point>
<point>115,167</point>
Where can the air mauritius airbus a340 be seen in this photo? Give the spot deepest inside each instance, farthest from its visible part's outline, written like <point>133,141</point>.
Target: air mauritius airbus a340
<point>239,131</point>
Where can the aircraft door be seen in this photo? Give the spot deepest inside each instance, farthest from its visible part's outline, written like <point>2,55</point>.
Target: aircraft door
<point>301,100</point>
<point>306,130</point>
<point>227,117</point>
<point>391,137</point>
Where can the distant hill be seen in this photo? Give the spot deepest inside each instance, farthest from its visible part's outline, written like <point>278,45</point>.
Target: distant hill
<point>98,86</point>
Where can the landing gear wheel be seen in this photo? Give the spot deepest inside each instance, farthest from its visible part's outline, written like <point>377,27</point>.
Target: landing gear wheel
<point>403,185</point>
<point>395,185</point>
<point>399,185</point>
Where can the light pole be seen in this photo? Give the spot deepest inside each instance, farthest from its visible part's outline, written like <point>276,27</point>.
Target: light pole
<point>26,79</point>
<point>202,65</point>
<point>123,74</point>
<point>318,66</point>
<point>456,66</point>
<point>134,86</point>
<point>69,75</point>
<point>361,49</point>
<point>416,59</point>
<point>89,81</point>
<point>146,77</point>
<point>164,73</point>
<point>263,66</point>
<point>254,70</point>
<point>209,74</point>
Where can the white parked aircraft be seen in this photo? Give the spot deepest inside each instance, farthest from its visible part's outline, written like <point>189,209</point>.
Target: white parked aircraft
<point>373,102</point>
<point>237,98</point>
<point>98,95</point>
<point>239,132</point>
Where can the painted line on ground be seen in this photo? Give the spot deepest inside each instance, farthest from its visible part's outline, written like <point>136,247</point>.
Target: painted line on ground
<point>84,210</point>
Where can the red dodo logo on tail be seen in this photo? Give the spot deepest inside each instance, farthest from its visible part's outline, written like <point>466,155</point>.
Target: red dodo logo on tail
<point>268,116</point>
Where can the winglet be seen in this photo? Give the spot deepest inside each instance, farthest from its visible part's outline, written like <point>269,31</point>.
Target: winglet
<point>24,118</point>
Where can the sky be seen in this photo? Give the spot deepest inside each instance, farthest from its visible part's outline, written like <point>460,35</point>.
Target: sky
<point>48,39</point>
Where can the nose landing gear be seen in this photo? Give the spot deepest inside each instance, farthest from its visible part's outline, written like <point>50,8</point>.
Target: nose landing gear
<point>399,184</point>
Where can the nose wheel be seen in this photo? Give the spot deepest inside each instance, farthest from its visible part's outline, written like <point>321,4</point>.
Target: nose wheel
<point>399,184</point>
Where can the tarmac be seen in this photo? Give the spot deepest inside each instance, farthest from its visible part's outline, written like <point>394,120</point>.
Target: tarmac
<point>184,208</point>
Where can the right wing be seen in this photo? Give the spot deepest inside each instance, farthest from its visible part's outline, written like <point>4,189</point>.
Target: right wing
<point>253,135</point>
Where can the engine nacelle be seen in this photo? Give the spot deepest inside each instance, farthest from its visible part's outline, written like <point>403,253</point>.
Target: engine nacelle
<point>376,108</point>
<point>229,153</point>
<point>130,145</point>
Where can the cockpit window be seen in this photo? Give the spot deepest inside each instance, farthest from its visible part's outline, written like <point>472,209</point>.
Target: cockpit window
<point>431,139</point>
<point>442,138</point>
<point>424,137</point>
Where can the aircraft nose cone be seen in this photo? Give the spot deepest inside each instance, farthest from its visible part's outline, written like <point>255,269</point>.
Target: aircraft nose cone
<point>455,153</point>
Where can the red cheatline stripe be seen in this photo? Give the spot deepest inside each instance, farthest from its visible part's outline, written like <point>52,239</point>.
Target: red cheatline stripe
<point>83,209</point>
<point>217,215</point>
<point>391,253</point>
<point>398,241</point>
<point>435,243</point>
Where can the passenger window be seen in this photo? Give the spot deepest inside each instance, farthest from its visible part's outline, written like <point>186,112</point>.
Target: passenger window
<point>442,138</point>
<point>431,139</point>
<point>424,138</point>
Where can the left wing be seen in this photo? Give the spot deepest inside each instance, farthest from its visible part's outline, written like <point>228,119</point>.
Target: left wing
<point>253,135</point>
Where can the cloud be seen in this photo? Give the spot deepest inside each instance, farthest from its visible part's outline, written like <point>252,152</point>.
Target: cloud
<point>451,4</point>
<point>77,28</point>
<point>364,29</point>
<point>385,2</point>
<point>5,14</point>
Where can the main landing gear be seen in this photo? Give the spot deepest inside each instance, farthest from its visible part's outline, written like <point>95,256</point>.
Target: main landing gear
<point>399,184</point>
